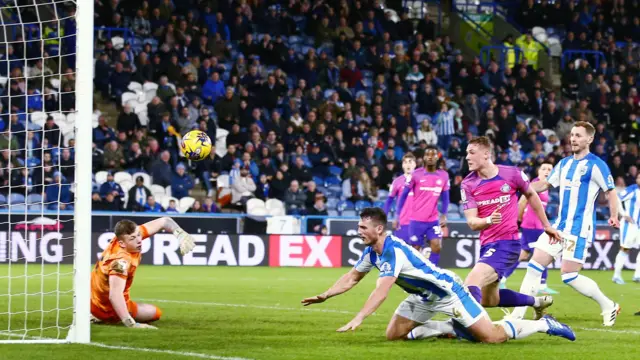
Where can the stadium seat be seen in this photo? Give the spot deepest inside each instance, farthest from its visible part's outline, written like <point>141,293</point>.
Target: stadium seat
<point>453,208</point>
<point>454,216</point>
<point>274,204</point>
<point>101,177</point>
<point>15,198</point>
<point>128,97</point>
<point>223,181</point>
<point>3,199</point>
<point>383,194</point>
<point>167,190</point>
<point>335,170</point>
<point>146,178</point>
<point>332,203</point>
<point>359,205</point>
<point>256,207</point>
<point>185,204</point>
<point>34,198</point>
<point>349,213</point>
<point>3,81</point>
<point>276,212</point>
<point>18,207</point>
<point>55,83</point>
<point>118,42</point>
<point>126,185</point>
<point>39,118</point>
<point>333,180</point>
<point>379,204</point>
<point>332,212</point>
<point>345,205</point>
<point>135,86</point>
<point>122,176</point>
<point>35,207</point>
<point>318,180</point>
<point>150,89</point>
<point>157,190</point>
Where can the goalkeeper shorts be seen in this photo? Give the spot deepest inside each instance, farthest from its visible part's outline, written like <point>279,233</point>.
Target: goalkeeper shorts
<point>109,315</point>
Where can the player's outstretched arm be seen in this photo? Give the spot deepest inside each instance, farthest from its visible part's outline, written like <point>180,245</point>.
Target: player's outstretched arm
<point>540,186</point>
<point>116,297</point>
<point>168,224</point>
<point>377,297</point>
<point>613,208</point>
<point>522,204</point>
<point>344,284</point>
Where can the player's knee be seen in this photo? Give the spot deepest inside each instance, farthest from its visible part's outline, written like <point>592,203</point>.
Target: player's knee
<point>393,334</point>
<point>435,247</point>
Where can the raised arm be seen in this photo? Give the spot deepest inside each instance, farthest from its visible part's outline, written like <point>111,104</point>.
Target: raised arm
<point>538,208</point>
<point>344,284</point>
<point>540,186</point>
<point>168,224</point>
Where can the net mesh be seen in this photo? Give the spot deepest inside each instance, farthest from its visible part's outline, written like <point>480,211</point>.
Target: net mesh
<point>37,117</point>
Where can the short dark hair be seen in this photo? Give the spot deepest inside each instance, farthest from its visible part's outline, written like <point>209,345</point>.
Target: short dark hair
<point>376,215</point>
<point>125,227</point>
<point>432,147</point>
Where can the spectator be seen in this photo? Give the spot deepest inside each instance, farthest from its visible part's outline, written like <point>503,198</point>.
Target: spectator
<point>196,208</point>
<point>102,134</point>
<point>171,209</point>
<point>152,205</point>
<point>111,203</point>
<point>128,122</point>
<point>52,133</point>
<point>294,199</point>
<point>319,208</point>
<point>57,195</point>
<point>138,195</point>
<point>111,187</point>
<point>161,170</point>
<point>210,206</point>
<point>242,187</point>
<point>113,156</point>
<point>352,188</point>
<point>181,182</point>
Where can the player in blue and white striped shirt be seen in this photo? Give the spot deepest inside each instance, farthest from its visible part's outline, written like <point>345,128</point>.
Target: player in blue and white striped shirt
<point>431,290</point>
<point>580,179</point>
<point>629,233</point>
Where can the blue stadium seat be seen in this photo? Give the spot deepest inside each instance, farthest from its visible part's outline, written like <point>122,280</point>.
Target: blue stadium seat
<point>383,194</point>
<point>34,199</point>
<point>361,205</point>
<point>35,207</point>
<point>345,205</point>
<point>453,208</point>
<point>379,204</point>
<point>318,180</point>
<point>335,170</point>
<point>3,199</point>
<point>454,216</point>
<point>16,198</point>
<point>332,212</point>
<point>332,203</point>
<point>333,180</point>
<point>18,207</point>
<point>349,213</point>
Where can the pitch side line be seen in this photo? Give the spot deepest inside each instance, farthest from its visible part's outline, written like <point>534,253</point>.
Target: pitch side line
<point>263,307</point>
<point>632,332</point>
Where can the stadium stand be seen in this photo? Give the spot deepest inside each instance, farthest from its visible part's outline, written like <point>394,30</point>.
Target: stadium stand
<point>315,103</point>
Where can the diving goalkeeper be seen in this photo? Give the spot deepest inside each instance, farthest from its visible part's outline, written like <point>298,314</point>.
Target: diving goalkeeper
<point>113,274</point>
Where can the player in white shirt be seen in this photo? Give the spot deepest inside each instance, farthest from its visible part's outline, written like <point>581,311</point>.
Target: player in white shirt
<point>629,233</point>
<point>580,178</point>
<point>431,290</point>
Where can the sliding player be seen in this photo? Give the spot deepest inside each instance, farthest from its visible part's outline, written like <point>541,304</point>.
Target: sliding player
<point>580,177</point>
<point>113,274</point>
<point>629,233</point>
<point>490,205</point>
<point>432,290</point>
<point>401,224</point>
<point>428,185</point>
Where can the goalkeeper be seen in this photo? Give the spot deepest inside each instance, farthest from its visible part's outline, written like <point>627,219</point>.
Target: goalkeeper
<point>113,274</point>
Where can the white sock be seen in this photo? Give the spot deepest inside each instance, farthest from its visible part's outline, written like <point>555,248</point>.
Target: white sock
<point>503,282</point>
<point>530,285</point>
<point>431,329</point>
<point>520,329</point>
<point>588,288</point>
<point>637,273</point>
<point>619,264</point>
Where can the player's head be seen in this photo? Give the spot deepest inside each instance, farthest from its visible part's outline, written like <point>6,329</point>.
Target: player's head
<point>430,157</point>
<point>544,170</point>
<point>581,136</point>
<point>408,163</point>
<point>478,152</point>
<point>128,235</point>
<point>372,225</point>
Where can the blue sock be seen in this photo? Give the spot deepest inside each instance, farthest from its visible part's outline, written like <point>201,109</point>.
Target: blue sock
<point>476,293</point>
<point>510,298</point>
<point>545,273</point>
<point>434,258</point>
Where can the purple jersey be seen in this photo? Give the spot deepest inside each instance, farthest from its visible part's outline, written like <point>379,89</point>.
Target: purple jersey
<point>498,193</point>
<point>396,190</point>
<point>427,187</point>
<point>529,219</point>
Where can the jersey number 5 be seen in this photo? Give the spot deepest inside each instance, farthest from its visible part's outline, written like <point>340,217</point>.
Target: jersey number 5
<point>489,253</point>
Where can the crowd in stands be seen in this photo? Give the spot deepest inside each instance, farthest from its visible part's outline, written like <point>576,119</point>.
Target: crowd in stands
<point>315,103</point>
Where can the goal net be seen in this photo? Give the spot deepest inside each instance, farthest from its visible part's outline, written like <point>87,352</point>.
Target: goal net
<point>46,103</point>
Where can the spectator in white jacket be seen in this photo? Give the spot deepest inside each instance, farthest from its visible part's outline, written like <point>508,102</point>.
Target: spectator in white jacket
<point>242,187</point>
<point>427,133</point>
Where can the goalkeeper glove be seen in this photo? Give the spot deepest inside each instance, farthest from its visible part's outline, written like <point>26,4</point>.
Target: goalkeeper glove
<point>131,323</point>
<point>186,241</point>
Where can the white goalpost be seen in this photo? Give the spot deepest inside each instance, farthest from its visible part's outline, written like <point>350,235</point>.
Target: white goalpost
<point>46,107</point>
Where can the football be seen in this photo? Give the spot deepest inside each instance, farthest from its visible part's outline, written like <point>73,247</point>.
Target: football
<point>196,145</point>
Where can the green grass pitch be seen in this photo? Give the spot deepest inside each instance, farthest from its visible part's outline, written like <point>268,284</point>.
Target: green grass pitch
<point>255,313</point>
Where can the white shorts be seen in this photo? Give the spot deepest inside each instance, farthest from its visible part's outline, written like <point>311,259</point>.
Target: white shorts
<point>629,235</point>
<point>573,248</point>
<point>466,311</point>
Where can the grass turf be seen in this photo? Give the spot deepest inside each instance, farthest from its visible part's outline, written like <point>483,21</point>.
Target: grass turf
<point>255,313</point>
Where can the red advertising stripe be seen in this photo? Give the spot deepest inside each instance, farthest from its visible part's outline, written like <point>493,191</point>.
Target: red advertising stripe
<point>305,250</point>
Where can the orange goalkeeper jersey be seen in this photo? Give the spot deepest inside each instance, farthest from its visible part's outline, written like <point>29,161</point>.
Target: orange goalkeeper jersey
<point>115,261</point>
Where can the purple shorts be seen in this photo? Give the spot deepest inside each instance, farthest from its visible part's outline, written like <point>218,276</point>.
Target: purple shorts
<point>421,232</point>
<point>402,232</point>
<point>529,236</point>
<point>501,255</point>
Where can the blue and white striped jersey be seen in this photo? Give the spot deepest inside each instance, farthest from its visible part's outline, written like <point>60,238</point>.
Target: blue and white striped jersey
<point>630,198</point>
<point>415,274</point>
<point>580,182</point>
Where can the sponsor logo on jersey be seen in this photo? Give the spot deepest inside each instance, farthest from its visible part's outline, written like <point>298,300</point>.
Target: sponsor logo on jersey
<point>500,200</point>
<point>385,267</point>
<point>505,188</point>
<point>431,189</point>
<point>463,196</point>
